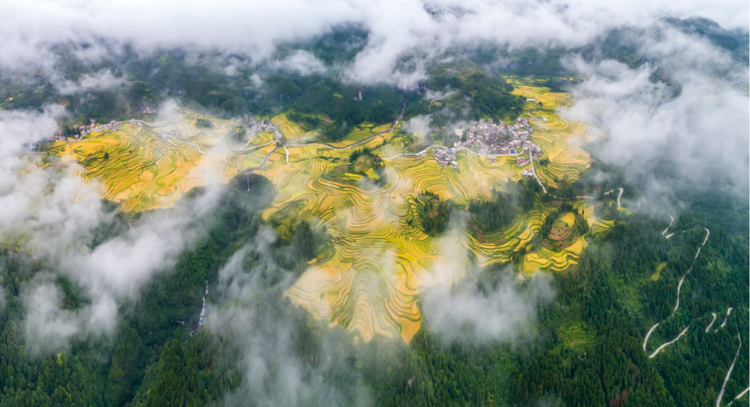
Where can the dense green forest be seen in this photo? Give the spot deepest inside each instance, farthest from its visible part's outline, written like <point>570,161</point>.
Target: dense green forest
<point>364,161</point>
<point>429,212</point>
<point>324,101</point>
<point>496,213</point>
<point>259,350</point>
<point>588,350</point>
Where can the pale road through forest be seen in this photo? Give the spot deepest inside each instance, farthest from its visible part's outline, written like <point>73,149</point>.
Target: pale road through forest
<point>729,373</point>
<point>712,321</point>
<point>650,331</point>
<point>669,343</point>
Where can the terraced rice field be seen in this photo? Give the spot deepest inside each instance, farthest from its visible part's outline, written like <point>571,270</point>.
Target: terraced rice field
<point>290,129</point>
<point>561,248</point>
<point>596,225</point>
<point>371,278</point>
<point>148,167</point>
<point>560,141</point>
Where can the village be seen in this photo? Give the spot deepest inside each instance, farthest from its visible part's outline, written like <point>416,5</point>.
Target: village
<point>248,121</point>
<point>492,139</point>
<point>85,129</point>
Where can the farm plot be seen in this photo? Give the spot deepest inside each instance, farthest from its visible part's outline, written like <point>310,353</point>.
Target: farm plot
<point>370,278</point>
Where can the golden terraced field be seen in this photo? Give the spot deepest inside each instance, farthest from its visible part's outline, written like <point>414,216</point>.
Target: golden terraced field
<point>371,280</point>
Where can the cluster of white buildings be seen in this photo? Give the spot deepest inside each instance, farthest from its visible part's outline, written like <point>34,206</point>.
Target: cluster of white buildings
<point>445,156</point>
<point>94,127</point>
<point>490,137</point>
<point>247,121</point>
<point>58,136</point>
<point>84,129</point>
<point>268,126</point>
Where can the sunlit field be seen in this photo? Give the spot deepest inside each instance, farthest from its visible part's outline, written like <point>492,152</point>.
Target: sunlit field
<point>378,264</point>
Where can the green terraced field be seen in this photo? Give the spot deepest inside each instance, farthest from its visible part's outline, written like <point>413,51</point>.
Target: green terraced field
<point>371,279</point>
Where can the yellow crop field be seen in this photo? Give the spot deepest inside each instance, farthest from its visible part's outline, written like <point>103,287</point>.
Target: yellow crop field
<point>290,129</point>
<point>560,141</point>
<point>371,279</point>
<point>569,219</point>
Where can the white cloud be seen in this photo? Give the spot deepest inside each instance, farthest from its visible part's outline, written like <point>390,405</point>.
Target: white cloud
<point>61,208</point>
<point>703,130</point>
<point>102,80</point>
<point>504,312</point>
<point>418,126</point>
<point>456,310</point>
<point>301,61</point>
<point>274,370</point>
<point>396,28</point>
<point>49,326</point>
<point>53,213</point>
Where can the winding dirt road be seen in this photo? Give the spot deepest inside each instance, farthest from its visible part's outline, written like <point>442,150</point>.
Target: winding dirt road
<point>679,286</point>
<point>531,159</point>
<point>712,321</point>
<point>669,343</point>
<point>265,160</point>
<point>739,396</point>
<point>200,150</point>
<point>729,373</point>
<point>649,334</point>
<point>358,143</point>
<point>723,324</point>
<point>415,154</point>
<point>698,252</point>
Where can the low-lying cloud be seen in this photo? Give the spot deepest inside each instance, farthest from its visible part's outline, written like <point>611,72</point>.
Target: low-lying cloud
<point>458,310</point>
<point>98,81</point>
<point>51,212</point>
<point>702,130</point>
<point>503,311</point>
<point>274,372</point>
<point>395,29</point>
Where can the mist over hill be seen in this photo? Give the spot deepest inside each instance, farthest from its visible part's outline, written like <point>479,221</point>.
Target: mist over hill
<point>229,203</point>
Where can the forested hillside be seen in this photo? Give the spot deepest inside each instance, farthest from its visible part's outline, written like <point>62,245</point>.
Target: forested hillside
<point>343,261</point>
<point>588,350</point>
